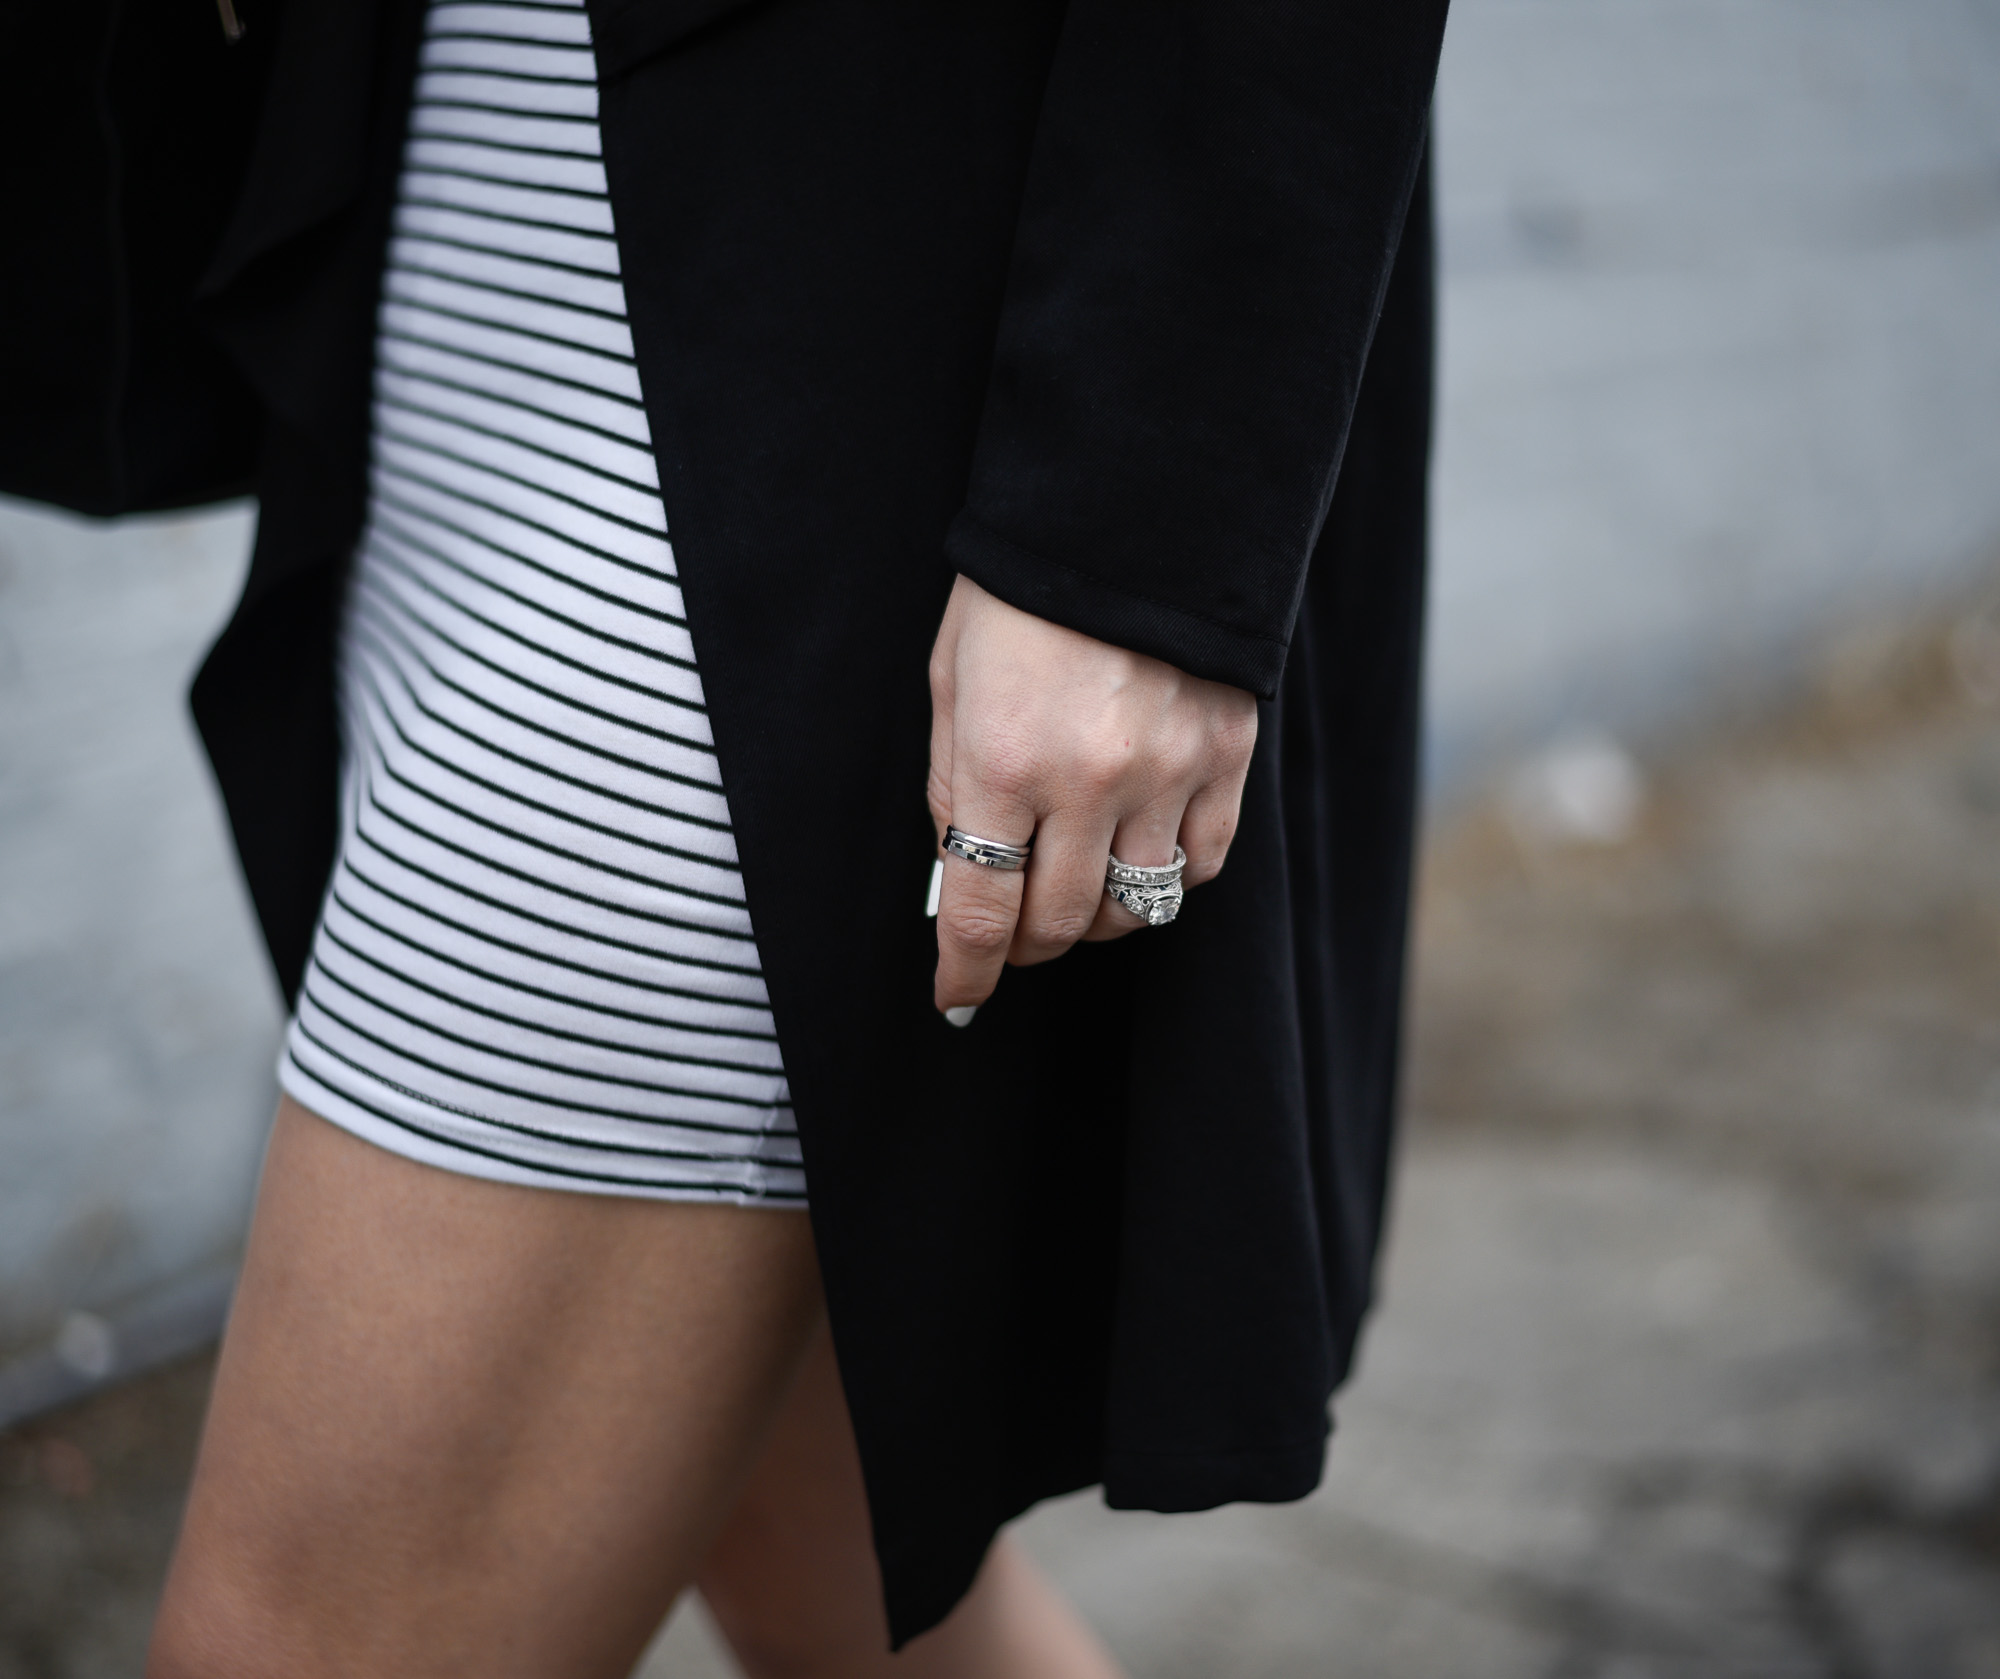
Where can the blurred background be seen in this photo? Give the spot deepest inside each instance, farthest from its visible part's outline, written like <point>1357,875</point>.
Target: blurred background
<point>1689,1355</point>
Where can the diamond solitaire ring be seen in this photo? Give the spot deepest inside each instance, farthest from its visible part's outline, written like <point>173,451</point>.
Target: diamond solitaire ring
<point>988,854</point>
<point>1152,893</point>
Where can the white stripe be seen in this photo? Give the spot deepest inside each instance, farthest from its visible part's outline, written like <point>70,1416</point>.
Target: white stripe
<point>508,94</point>
<point>554,438</point>
<point>521,23</point>
<point>528,169</point>
<point>584,328</point>
<point>512,57</point>
<point>500,128</point>
<point>424,426</point>
<point>448,367</point>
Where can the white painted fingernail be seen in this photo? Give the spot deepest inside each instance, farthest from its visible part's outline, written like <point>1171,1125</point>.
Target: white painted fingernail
<point>962,1016</point>
<point>937,888</point>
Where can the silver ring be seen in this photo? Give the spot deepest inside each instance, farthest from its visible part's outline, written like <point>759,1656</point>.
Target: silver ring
<point>1152,893</point>
<point>1147,874</point>
<point>988,854</point>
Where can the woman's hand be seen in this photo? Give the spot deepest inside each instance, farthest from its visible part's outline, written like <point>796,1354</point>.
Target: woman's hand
<point>1040,732</point>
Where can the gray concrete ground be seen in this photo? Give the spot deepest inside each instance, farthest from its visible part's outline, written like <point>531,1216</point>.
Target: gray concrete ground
<point>138,1020</point>
<point>1688,1363</point>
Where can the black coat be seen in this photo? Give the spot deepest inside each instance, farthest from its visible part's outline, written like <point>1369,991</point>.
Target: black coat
<point>1123,309</point>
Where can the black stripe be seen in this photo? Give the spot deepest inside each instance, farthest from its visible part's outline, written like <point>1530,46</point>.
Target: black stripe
<point>555,414</point>
<point>494,1085</point>
<point>384,561</point>
<point>383,535</point>
<point>446,32</point>
<point>679,958</point>
<point>595,864</point>
<point>533,1166</point>
<point>568,7</point>
<point>597,274</point>
<point>505,476</point>
<point>425,70</point>
<point>502,145</point>
<point>656,918</point>
<point>666,812</point>
<point>430,271</point>
<point>613,359</point>
<point>592,195</point>
<point>482,214</point>
<point>515,796</point>
<point>513,113</point>
<point>507,323</point>
<point>383,930</point>
<point>400,336</point>
<point>540,1028</point>
<point>452,493</point>
<point>431,1029</point>
<point>408,509</point>
<point>501,322</point>
<point>457,418</point>
<point>485,936</point>
<point>568,346</point>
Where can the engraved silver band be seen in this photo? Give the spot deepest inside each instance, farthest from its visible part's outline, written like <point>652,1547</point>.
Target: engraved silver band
<point>1152,893</point>
<point>1147,874</point>
<point>988,854</point>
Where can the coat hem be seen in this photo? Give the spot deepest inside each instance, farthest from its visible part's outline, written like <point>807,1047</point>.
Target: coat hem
<point>1178,1482</point>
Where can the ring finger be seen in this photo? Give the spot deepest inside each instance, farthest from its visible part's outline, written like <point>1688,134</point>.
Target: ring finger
<point>1147,839</point>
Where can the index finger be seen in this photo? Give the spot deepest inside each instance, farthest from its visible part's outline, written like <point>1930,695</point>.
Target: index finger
<point>977,909</point>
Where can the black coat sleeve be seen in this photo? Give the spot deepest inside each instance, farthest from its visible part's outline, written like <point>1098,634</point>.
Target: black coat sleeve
<point>1211,214</point>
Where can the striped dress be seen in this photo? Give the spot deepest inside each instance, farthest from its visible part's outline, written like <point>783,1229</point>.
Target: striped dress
<point>535,961</point>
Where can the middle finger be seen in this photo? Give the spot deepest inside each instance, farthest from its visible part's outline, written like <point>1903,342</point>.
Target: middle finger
<point>1064,884</point>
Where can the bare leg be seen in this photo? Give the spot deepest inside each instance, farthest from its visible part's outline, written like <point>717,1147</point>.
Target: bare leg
<point>461,1427</point>
<point>792,1581</point>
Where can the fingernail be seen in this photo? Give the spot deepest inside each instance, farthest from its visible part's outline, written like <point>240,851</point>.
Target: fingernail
<point>962,1016</point>
<point>936,889</point>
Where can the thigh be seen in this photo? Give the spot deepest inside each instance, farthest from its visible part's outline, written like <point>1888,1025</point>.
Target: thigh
<point>461,1426</point>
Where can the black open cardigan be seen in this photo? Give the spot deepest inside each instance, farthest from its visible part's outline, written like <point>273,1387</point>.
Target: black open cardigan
<point>1123,309</point>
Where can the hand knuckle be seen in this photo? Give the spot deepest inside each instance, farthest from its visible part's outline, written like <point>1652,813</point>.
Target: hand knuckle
<point>1233,734</point>
<point>1102,765</point>
<point>978,933</point>
<point>1187,752</point>
<point>1063,927</point>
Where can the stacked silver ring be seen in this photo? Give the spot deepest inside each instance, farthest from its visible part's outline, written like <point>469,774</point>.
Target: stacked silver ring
<point>1152,893</point>
<point>988,854</point>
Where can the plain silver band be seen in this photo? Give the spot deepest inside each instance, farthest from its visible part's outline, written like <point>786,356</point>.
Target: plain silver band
<point>988,854</point>
<point>1138,874</point>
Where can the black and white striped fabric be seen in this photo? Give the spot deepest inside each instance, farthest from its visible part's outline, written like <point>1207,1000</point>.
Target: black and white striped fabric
<point>535,962</point>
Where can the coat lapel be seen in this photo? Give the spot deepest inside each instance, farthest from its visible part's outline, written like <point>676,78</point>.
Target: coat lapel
<point>311,149</point>
<point>627,31</point>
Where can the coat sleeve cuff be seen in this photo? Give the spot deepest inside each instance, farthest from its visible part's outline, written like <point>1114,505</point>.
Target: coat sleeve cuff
<point>1065,595</point>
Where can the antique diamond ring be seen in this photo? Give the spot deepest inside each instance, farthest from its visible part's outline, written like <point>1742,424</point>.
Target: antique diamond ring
<point>1153,893</point>
<point>988,854</point>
